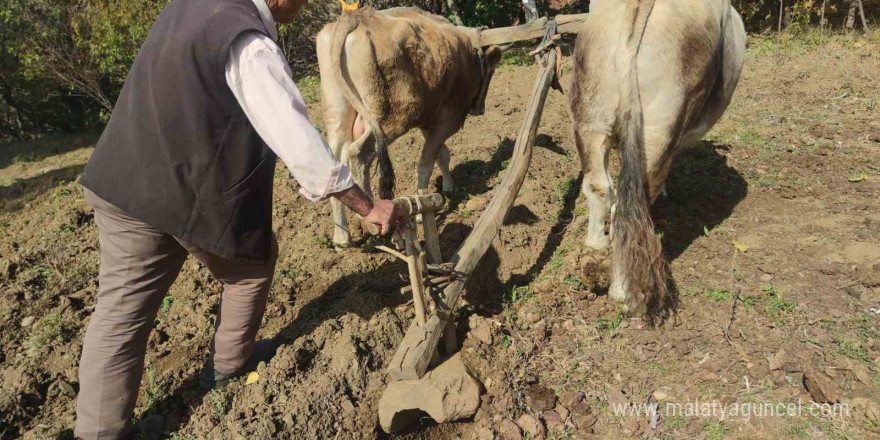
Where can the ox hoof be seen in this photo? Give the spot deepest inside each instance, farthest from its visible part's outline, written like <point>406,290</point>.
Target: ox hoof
<point>598,244</point>
<point>448,187</point>
<point>617,294</point>
<point>341,245</point>
<point>626,303</point>
<point>341,241</point>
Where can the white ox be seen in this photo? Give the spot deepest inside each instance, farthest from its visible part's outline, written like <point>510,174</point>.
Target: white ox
<point>650,77</point>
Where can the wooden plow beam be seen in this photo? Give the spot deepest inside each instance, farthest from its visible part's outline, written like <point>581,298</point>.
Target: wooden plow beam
<point>419,345</point>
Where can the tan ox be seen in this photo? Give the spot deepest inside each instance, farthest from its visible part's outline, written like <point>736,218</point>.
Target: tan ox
<point>397,69</point>
<point>650,77</point>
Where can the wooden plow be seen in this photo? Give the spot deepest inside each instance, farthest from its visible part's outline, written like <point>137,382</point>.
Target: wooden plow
<point>440,284</point>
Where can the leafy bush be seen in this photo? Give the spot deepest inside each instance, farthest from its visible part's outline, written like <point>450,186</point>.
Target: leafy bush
<point>63,62</point>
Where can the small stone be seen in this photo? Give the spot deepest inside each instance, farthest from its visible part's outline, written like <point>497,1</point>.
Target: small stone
<point>766,278</point>
<point>508,430</point>
<point>532,426</point>
<point>28,321</point>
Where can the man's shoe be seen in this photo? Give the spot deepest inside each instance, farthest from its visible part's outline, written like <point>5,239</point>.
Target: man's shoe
<point>263,352</point>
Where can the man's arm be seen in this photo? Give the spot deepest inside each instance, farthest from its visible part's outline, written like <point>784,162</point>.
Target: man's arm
<point>260,79</point>
<point>377,212</point>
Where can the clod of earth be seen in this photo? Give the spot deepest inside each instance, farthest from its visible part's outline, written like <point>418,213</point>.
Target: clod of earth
<point>821,387</point>
<point>869,409</point>
<point>447,393</point>
<point>540,398</point>
<point>529,313</point>
<point>481,328</point>
<point>508,430</point>
<point>615,397</point>
<point>554,421</point>
<point>476,203</point>
<point>661,394</point>
<point>532,426</point>
<point>779,360</point>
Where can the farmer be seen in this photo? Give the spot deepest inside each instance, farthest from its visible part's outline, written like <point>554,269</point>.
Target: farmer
<point>186,166</point>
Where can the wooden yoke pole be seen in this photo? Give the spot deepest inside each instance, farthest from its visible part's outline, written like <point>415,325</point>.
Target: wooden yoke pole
<point>566,24</point>
<point>415,351</point>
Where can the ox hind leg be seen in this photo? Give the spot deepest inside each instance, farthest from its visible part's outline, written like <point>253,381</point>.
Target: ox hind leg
<point>339,120</point>
<point>593,148</point>
<point>435,151</point>
<point>361,155</point>
<point>443,163</point>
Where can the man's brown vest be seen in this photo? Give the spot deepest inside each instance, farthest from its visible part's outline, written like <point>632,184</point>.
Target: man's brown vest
<point>178,153</point>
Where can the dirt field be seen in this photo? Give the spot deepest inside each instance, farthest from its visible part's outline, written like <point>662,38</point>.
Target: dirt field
<point>772,227</point>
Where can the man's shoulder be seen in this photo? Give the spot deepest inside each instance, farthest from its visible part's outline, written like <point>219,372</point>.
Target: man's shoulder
<point>251,43</point>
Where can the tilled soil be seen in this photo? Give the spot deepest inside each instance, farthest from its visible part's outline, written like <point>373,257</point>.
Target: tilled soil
<point>771,226</point>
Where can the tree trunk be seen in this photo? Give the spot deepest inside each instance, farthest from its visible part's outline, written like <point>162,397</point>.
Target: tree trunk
<point>531,10</point>
<point>453,8</point>
<point>851,15</point>
<point>862,14</point>
<point>781,5</point>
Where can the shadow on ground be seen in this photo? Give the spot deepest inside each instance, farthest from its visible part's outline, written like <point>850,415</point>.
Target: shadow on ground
<point>703,190</point>
<point>42,148</point>
<point>15,196</point>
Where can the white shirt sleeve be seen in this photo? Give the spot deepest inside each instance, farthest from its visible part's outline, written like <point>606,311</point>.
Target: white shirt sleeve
<point>260,79</point>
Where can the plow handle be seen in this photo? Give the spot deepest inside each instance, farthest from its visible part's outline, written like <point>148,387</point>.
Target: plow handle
<point>408,207</point>
<point>414,205</point>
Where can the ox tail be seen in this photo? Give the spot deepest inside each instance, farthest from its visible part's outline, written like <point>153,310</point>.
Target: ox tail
<point>640,273</point>
<point>347,23</point>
